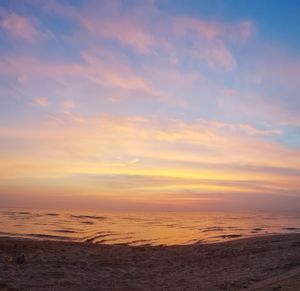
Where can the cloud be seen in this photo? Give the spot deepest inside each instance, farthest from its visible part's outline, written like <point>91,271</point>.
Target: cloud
<point>18,26</point>
<point>21,27</point>
<point>67,105</point>
<point>93,70</point>
<point>243,128</point>
<point>168,35</point>
<point>22,195</point>
<point>265,88</point>
<point>220,57</point>
<point>211,39</point>
<point>124,30</point>
<point>212,30</point>
<point>146,158</point>
<point>139,184</point>
<point>41,101</point>
<point>103,139</point>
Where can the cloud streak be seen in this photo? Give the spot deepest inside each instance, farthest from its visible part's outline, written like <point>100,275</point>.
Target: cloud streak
<point>18,26</point>
<point>147,157</point>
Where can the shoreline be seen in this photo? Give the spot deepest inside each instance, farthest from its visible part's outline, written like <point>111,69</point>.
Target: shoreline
<point>255,263</point>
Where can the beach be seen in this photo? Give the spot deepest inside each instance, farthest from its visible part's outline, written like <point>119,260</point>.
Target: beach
<point>258,263</point>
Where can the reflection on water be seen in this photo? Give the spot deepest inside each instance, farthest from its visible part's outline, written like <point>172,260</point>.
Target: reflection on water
<point>143,228</point>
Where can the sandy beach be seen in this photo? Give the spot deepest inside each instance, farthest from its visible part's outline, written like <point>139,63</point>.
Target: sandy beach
<point>259,263</point>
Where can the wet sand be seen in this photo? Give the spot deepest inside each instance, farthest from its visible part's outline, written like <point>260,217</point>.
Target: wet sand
<point>260,263</point>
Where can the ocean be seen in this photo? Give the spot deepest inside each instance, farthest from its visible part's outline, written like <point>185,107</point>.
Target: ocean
<point>143,228</point>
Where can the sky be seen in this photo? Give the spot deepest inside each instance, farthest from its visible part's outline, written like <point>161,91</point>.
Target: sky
<point>150,105</point>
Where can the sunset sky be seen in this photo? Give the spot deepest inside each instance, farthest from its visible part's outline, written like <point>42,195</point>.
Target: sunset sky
<point>150,105</point>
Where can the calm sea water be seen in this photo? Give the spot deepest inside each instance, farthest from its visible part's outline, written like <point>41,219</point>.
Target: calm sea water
<point>143,228</point>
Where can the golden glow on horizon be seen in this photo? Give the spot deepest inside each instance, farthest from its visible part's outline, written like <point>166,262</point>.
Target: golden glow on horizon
<point>111,158</point>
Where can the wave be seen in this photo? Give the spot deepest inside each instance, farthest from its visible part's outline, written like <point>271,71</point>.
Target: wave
<point>88,217</point>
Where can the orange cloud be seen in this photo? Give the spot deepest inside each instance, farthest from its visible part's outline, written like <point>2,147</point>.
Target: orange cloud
<point>114,142</point>
<point>145,159</point>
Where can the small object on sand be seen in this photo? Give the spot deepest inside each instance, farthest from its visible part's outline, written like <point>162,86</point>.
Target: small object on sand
<point>20,258</point>
<point>9,259</point>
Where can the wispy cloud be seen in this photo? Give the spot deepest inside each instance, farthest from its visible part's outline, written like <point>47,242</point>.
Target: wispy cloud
<point>134,28</point>
<point>18,26</point>
<point>22,27</point>
<point>109,144</point>
<point>41,101</point>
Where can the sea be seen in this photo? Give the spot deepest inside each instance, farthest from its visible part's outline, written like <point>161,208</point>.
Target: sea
<point>143,228</point>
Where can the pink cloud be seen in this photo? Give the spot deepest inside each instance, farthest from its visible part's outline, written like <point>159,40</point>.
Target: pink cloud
<point>95,70</point>
<point>220,57</point>
<point>125,30</point>
<point>41,101</point>
<point>211,39</point>
<point>67,105</point>
<point>213,30</point>
<point>108,20</point>
<point>18,26</point>
<point>166,36</point>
